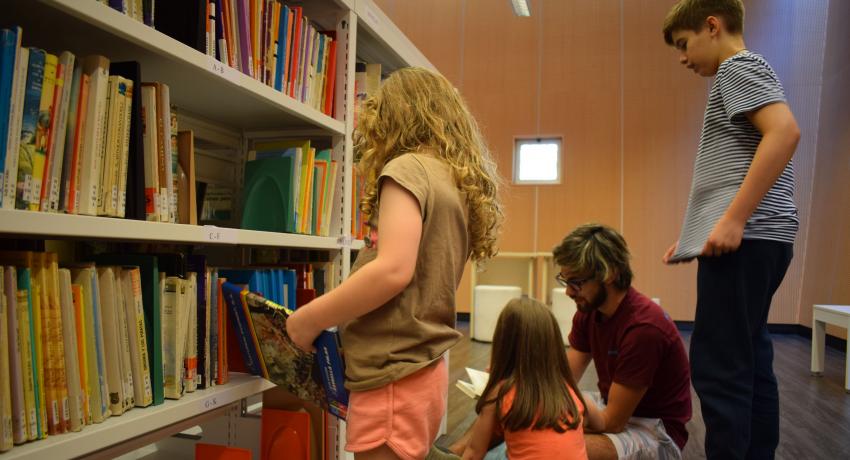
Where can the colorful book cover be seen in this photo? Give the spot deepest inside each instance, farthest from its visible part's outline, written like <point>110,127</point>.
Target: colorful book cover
<point>317,378</point>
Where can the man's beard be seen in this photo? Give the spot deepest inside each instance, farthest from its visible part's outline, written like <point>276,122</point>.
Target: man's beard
<point>593,304</point>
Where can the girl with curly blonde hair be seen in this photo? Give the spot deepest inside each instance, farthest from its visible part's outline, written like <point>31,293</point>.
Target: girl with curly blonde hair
<point>431,198</point>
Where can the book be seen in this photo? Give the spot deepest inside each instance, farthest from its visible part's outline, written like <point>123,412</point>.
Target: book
<point>477,382</point>
<point>132,290</point>
<point>90,162</point>
<point>284,434</point>
<point>316,378</point>
<point>28,357</point>
<point>111,340</point>
<point>6,437</point>
<point>205,451</point>
<point>29,123</point>
<point>86,277</point>
<point>72,360</point>
<point>151,298</point>
<point>16,112</point>
<point>16,378</point>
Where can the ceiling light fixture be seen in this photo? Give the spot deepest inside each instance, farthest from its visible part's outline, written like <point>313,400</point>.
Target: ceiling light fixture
<point>521,7</point>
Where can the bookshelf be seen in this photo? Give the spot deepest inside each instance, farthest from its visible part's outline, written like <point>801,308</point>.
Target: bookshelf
<point>224,108</point>
<point>162,420</point>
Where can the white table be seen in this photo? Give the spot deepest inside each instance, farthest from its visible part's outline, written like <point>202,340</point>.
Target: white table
<point>838,315</point>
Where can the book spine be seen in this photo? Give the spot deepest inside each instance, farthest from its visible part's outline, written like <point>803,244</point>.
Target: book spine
<point>6,436</point>
<point>233,298</point>
<point>10,180</point>
<point>19,410</point>
<point>69,335</point>
<point>28,365</point>
<point>29,124</point>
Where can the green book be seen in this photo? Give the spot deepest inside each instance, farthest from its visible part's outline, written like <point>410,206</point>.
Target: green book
<point>149,271</point>
<point>268,203</point>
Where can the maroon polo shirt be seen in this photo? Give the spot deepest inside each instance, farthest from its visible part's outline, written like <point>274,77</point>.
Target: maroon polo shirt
<point>639,346</point>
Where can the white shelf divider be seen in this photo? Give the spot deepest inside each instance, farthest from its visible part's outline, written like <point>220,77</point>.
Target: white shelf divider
<point>139,422</point>
<point>383,41</point>
<point>53,225</point>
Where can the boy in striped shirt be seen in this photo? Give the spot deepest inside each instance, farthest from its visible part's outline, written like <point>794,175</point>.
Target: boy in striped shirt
<point>740,224</point>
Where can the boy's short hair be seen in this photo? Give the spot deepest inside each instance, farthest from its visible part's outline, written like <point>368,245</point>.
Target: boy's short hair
<point>691,15</point>
<point>598,252</point>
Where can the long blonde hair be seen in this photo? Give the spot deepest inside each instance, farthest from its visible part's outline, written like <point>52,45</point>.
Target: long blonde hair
<point>418,110</point>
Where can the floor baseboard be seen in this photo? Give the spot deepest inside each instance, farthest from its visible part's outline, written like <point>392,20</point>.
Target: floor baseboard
<point>798,329</point>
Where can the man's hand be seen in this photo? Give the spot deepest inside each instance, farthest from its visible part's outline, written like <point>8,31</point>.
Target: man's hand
<point>302,329</point>
<point>724,238</point>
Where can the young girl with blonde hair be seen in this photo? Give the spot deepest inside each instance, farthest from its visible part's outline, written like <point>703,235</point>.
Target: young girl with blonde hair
<point>531,399</point>
<point>431,200</point>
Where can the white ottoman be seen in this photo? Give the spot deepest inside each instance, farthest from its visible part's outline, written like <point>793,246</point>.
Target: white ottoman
<point>487,305</point>
<point>564,308</point>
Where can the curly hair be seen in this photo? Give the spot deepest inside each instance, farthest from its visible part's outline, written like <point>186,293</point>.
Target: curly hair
<point>419,110</point>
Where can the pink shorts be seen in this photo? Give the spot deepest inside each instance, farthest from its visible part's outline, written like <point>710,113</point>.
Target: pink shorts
<point>405,415</point>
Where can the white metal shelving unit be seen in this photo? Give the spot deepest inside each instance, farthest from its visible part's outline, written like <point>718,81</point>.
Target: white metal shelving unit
<point>225,107</point>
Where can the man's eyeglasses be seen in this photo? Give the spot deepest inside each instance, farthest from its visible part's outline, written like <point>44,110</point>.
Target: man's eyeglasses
<point>576,284</point>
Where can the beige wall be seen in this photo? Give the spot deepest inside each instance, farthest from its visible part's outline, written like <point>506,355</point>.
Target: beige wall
<point>598,74</point>
<point>826,274</point>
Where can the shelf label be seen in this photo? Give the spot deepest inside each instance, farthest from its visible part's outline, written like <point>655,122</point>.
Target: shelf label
<point>372,17</point>
<point>211,403</point>
<point>221,69</point>
<point>221,235</point>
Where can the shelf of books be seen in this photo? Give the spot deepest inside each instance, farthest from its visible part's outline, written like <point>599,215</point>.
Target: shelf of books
<point>65,226</point>
<point>200,83</point>
<point>135,152</point>
<point>140,422</point>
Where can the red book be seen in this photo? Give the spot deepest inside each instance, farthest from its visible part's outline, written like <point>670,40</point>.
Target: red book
<point>329,82</point>
<point>285,435</point>
<point>216,452</point>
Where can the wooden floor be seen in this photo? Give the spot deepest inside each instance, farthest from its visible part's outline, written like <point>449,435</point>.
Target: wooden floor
<point>815,411</point>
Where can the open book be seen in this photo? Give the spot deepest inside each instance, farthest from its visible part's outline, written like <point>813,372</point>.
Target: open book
<point>314,377</point>
<point>477,382</point>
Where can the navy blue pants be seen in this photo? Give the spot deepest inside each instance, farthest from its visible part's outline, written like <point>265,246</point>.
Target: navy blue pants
<point>732,353</point>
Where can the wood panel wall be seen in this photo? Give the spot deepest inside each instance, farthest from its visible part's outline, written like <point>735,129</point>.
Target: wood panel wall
<point>599,75</point>
<point>826,272</point>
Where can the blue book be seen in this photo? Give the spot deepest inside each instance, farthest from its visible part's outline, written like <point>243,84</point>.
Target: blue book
<point>281,48</point>
<point>318,377</point>
<point>32,99</point>
<point>213,325</point>
<point>100,350</point>
<point>8,49</point>
<point>238,316</point>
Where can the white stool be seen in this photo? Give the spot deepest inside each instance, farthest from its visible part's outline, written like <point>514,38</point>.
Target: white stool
<point>487,305</point>
<point>838,315</point>
<point>564,308</point>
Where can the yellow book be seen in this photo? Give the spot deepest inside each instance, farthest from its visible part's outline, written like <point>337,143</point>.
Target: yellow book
<point>56,343</point>
<point>42,132</point>
<point>306,192</point>
<point>82,358</point>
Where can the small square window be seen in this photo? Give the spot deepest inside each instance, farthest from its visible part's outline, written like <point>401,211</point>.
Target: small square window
<point>537,161</point>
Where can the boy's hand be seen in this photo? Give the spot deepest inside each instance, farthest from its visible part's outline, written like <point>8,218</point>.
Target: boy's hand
<point>725,238</point>
<point>302,330</point>
<point>669,254</point>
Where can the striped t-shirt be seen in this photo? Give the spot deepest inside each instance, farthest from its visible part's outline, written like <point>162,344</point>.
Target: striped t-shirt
<point>744,82</point>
